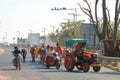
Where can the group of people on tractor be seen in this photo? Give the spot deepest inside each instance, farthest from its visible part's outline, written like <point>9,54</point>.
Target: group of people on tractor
<point>77,51</point>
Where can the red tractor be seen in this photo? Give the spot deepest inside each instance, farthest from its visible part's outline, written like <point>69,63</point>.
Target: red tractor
<point>80,58</point>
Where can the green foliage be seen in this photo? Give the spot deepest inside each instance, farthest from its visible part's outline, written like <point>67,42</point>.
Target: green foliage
<point>53,37</point>
<point>118,34</point>
<point>67,29</point>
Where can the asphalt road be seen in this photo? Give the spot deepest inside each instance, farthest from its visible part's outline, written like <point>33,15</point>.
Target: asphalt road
<point>37,71</point>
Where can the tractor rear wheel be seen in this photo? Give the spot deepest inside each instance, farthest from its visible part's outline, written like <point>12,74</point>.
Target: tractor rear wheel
<point>69,63</point>
<point>85,66</point>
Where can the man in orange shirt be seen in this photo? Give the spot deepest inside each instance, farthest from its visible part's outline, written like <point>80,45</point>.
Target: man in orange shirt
<point>59,50</point>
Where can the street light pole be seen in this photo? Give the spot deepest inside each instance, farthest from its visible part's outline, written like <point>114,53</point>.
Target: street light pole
<point>18,34</point>
<point>74,16</point>
<point>64,8</point>
<point>5,36</point>
<point>53,28</point>
<point>13,40</point>
<point>44,31</point>
<point>68,20</point>
<point>3,39</point>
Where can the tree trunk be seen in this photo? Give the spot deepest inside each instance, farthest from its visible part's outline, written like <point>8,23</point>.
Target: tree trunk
<point>116,24</point>
<point>109,48</point>
<point>107,32</point>
<point>104,36</point>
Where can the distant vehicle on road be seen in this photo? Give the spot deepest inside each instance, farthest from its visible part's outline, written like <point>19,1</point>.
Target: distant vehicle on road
<point>6,44</point>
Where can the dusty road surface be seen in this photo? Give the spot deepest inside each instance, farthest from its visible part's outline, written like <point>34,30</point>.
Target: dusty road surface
<point>37,71</point>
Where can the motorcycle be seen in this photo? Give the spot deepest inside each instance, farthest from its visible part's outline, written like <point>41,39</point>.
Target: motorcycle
<point>53,61</point>
<point>17,61</point>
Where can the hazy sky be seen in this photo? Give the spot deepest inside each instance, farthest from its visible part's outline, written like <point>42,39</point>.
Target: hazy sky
<point>25,16</point>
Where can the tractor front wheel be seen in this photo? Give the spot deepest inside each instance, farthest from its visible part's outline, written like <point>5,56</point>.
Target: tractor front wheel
<point>97,68</point>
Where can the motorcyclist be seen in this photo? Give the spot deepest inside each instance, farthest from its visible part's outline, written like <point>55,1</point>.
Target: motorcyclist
<point>16,53</point>
<point>59,51</point>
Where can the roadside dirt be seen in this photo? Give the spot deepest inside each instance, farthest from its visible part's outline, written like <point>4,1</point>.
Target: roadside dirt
<point>1,51</point>
<point>112,65</point>
<point>106,69</point>
<point>3,78</point>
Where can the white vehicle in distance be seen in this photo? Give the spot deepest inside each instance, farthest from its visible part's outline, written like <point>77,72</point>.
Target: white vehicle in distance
<point>6,44</point>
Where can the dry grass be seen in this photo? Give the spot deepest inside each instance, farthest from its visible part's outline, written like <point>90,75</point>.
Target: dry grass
<point>112,65</point>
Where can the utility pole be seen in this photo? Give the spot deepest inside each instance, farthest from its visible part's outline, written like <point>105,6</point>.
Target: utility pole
<point>68,20</point>
<point>44,31</point>
<point>5,36</point>
<point>3,39</point>
<point>13,40</point>
<point>53,28</point>
<point>74,16</point>
<point>18,34</point>
<point>64,8</point>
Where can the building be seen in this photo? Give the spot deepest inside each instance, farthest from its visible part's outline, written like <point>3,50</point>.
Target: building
<point>34,39</point>
<point>21,41</point>
<point>88,32</point>
<point>48,41</point>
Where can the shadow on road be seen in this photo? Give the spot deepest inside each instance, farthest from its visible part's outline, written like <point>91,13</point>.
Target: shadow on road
<point>7,69</point>
<point>59,70</point>
<point>42,68</point>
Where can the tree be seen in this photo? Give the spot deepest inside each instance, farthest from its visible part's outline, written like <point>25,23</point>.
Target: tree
<point>107,32</point>
<point>68,31</point>
<point>118,34</point>
<point>53,37</point>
